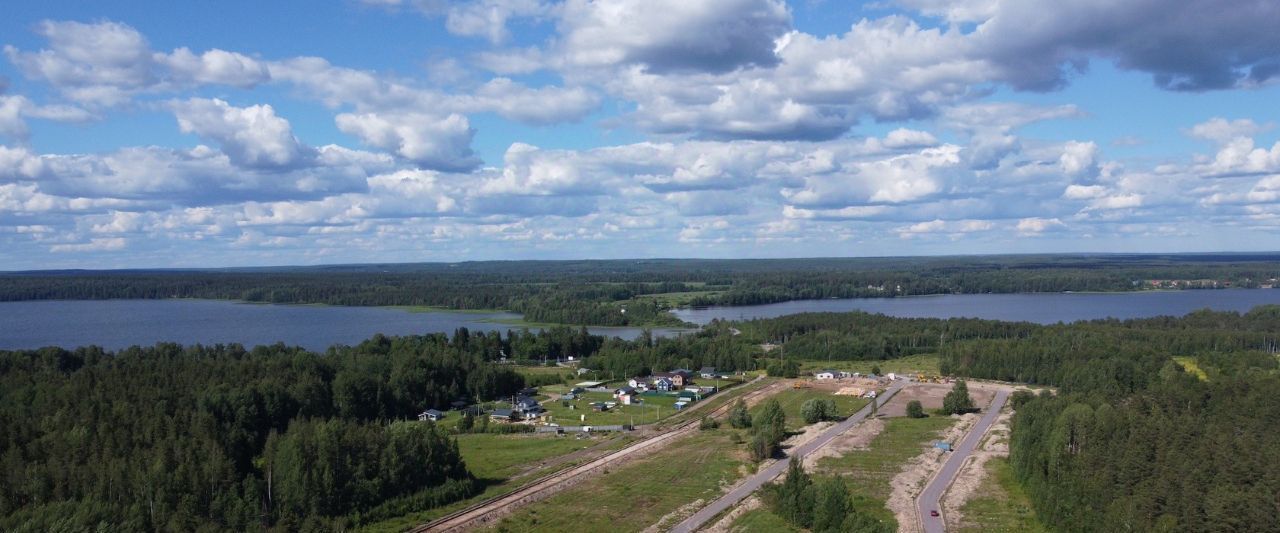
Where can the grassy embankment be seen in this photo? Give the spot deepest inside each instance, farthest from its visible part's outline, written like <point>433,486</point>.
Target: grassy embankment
<point>1001,504</point>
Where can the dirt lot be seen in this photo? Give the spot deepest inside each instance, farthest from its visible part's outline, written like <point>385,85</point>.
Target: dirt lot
<point>930,396</point>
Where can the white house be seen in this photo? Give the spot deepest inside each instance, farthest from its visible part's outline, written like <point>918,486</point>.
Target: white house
<point>825,374</point>
<point>430,414</point>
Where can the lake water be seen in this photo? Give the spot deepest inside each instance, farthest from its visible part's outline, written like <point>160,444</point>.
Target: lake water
<point>115,324</point>
<point>1043,308</point>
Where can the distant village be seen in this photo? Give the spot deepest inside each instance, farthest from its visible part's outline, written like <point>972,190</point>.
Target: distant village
<point>560,408</point>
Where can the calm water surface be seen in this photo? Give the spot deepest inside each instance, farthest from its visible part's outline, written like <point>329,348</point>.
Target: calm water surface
<point>115,324</point>
<point>1043,308</point>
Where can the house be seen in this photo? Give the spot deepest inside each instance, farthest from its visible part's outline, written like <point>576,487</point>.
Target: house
<point>503,415</point>
<point>825,374</point>
<point>527,408</point>
<point>843,374</point>
<point>628,390</point>
<point>599,406</point>
<point>430,414</point>
<point>627,395</point>
<point>582,371</point>
<point>663,383</point>
<point>677,379</point>
<point>577,390</point>
<point>685,374</point>
<point>639,383</point>
<point>458,405</point>
<point>569,396</point>
<point>708,372</point>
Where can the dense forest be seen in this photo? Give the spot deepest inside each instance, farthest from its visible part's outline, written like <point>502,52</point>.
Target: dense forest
<point>228,438</point>
<point>638,292</point>
<point>1133,442</point>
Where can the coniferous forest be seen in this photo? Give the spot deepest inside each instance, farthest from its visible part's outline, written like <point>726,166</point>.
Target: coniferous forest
<point>229,438</point>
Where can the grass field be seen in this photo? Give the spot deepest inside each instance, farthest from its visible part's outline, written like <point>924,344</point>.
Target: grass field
<point>639,494</point>
<point>762,520</point>
<point>1001,504</point>
<point>869,471</point>
<point>793,399</point>
<point>653,409</point>
<point>926,363</point>
<point>1192,367</point>
<point>494,459</point>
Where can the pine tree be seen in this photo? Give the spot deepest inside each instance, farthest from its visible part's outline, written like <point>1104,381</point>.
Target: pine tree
<point>915,409</point>
<point>831,505</point>
<point>958,400</point>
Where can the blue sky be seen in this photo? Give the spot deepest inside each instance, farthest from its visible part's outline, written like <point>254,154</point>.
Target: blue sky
<point>153,134</point>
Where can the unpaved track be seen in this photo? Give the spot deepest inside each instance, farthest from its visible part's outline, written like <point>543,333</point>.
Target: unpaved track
<point>500,506</point>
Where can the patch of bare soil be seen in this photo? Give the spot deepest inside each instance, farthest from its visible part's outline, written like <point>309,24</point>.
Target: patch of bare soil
<point>906,486</point>
<point>858,437</point>
<point>930,397</point>
<point>810,432</point>
<point>676,516</point>
<point>726,522</point>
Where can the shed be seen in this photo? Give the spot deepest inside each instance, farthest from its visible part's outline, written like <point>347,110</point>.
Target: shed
<point>430,414</point>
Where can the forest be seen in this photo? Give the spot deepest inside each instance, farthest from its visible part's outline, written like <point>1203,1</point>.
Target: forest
<point>225,437</point>
<point>639,292</point>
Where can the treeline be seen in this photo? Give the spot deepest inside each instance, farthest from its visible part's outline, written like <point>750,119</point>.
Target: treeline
<point>1132,441</point>
<point>606,292</point>
<point>223,438</point>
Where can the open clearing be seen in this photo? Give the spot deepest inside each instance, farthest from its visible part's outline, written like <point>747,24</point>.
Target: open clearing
<point>652,410</point>
<point>641,493</point>
<point>793,399</point>
<point>930,396</point>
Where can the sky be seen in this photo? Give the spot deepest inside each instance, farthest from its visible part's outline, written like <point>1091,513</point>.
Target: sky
<point>137,134</point>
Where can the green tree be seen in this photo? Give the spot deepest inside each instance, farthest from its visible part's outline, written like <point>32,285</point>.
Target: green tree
<point>958,400</point>
<point>831,505</point>
<point>875,369</point>
<point>739,417</point>
<point>771,422</point>
<point>708,423</point>
<point>914,409</point>
<point>795,495</point>
<point>815,410</point>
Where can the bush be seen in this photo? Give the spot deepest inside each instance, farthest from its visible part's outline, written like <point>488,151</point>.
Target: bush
<point>739,417</point>
<point>708,423</point>
<point>958,402</point>
<point>818,409</point>
<point>914,409</point>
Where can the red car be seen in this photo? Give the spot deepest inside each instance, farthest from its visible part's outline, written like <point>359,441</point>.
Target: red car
<point>933,513</point>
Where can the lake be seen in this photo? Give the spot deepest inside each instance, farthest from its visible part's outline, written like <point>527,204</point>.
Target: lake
<point>115,324</point>
<point>1043,308</point>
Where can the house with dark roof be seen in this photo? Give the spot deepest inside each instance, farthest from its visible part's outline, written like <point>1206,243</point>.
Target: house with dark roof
<point>430,414</point>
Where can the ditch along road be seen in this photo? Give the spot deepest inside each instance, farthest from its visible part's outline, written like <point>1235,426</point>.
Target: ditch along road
<point>498,507</point>
<point>931,498</point>
<point>744,489</point>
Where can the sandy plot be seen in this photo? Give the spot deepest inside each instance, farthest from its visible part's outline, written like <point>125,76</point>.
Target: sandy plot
<point>858,437</point>
<point>930,396</point>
